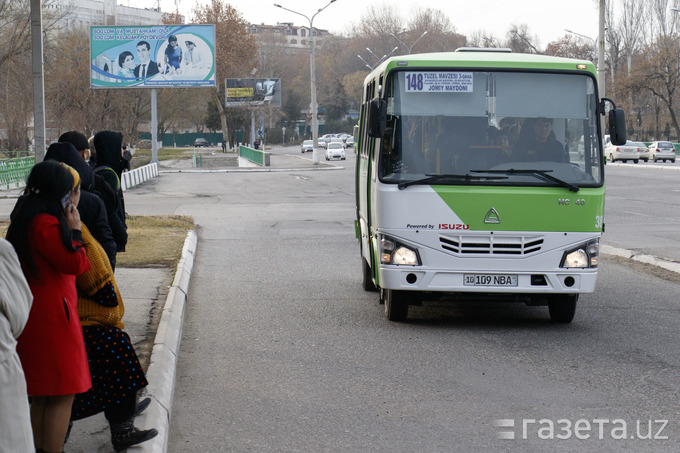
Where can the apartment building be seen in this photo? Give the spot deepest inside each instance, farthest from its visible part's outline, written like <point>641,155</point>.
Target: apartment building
<point>297,37</point>
<point>84,13</point>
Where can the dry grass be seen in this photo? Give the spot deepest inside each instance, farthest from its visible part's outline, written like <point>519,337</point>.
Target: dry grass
<point>153,241</point>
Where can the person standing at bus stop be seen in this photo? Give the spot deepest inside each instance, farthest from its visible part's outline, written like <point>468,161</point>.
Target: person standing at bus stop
<point>15,304</point>
<point>45,231</point>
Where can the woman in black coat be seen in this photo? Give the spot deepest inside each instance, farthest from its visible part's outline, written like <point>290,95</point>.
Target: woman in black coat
<point>109,165</point>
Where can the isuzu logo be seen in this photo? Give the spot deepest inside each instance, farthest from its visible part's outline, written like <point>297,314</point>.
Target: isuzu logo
<point>492,216</point>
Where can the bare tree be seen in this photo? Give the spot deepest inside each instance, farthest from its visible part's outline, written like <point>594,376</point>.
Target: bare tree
<point>657,71</point>
<point>379,20</point>
<point>631,27</point>
<point>235,48</point>
<point>520,40</point>
<point>480,38</point>
<point>570,46</point>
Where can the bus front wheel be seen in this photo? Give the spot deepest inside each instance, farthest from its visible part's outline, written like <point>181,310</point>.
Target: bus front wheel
<point>396,305</point>
<point>562,307</point>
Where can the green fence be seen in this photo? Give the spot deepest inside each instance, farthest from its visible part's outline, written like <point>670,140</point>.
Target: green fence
<point>254,155</point>
<point>15,171</point>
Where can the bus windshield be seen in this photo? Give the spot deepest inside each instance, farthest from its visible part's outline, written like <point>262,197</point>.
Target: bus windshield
<point>489,124</point>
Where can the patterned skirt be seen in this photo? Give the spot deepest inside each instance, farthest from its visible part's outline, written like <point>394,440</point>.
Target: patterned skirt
<point>115,369</point>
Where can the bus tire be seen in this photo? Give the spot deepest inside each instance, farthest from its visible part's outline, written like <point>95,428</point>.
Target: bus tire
<point>396,305</point>
<point>562,307</point>
<point>367,279</point>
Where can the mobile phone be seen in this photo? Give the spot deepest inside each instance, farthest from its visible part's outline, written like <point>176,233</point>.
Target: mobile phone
<point>66,201</point>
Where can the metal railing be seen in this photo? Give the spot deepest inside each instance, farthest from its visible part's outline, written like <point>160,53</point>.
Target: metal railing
<point>255,156</point>
<point>15,171</point>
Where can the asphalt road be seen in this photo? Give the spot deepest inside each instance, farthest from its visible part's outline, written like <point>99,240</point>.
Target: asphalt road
<point>283,351</point>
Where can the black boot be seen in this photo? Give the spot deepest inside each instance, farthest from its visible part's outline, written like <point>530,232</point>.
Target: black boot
<point>125,434</point>
<point>142,405</point>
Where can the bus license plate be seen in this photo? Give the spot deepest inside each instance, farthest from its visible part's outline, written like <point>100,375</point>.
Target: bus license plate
<point>490,280</point>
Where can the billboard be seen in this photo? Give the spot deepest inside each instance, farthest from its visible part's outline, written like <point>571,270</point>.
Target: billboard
<point>158,56</point>
<point>253,92</point>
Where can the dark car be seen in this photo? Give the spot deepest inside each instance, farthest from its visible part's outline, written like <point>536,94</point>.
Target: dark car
<point>200,142</point>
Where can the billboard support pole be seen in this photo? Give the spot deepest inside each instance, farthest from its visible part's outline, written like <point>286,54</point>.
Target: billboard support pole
<point>154,127</point>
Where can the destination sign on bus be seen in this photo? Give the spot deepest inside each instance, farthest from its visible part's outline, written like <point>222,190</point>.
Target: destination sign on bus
<point>439,82</point>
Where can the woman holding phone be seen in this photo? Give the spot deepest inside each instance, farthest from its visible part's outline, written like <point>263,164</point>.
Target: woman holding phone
<point>45,232</point>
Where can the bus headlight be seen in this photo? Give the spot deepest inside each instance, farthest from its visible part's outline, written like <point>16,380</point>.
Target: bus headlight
<point>585,256</point>
<point>394,252</point>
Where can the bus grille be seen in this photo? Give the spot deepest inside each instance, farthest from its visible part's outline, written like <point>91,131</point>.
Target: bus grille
<point>491,245</point>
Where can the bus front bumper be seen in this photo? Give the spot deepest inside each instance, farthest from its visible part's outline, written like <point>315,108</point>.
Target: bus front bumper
<point>564,281</point>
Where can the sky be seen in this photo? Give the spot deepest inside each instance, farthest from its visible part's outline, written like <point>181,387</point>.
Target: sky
<point>545,18</point>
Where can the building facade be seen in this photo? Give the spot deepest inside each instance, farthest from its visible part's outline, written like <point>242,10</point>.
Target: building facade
<point>297,37</point>
<point>84,13</point>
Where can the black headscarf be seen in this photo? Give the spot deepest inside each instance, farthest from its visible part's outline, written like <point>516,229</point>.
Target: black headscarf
<point>109,146</point>
<point>66,153</point>
<point>76,139</point>
<point>46,185</point>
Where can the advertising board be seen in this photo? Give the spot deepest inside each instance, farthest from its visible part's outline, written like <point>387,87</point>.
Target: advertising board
<point>158,56</point>
<point>253,91</point>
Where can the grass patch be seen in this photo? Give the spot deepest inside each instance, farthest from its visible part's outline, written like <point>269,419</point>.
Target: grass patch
<point>153,241</point>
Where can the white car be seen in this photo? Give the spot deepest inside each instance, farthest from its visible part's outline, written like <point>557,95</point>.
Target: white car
<point>335,151</point>
<point>307,145</point>
<point>323,140</point>
<point>620,152</point>
<point>643,151</point>
<point>662,151</point>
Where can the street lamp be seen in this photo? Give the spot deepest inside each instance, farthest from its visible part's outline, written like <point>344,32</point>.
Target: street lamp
<point>380,60</point>
<point>312,70</point>
<point>403,44</point>
<point>365,62</point>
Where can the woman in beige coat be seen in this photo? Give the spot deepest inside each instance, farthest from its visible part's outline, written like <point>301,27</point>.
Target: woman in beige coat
<point>15,303</point>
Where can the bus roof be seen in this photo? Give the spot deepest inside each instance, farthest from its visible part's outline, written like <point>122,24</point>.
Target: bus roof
<point>484,58</point>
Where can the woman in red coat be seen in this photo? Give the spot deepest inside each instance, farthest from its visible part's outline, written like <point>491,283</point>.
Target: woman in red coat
<point>45,231</point>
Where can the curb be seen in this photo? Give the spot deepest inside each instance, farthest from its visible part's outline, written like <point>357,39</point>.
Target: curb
<point>163,364</point>
<point>642,258</point>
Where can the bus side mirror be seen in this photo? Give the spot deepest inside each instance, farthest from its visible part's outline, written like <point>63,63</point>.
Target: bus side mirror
<point>617,127</point>
<point>377,118</point>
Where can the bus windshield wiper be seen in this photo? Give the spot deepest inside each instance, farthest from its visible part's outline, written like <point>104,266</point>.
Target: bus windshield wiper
<point>435,178</point>
<point>541,174</point>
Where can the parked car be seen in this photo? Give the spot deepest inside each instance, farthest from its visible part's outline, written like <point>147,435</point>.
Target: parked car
<point>337,140</point>
<point>335,151</point>
<point>307,145</point>
<point>620,152</point>
<point>643,151</point>
<point>200,142</point>
<point>662,151</point>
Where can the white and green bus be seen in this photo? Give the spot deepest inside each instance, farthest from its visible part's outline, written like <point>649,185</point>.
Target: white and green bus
<point>480,176</point>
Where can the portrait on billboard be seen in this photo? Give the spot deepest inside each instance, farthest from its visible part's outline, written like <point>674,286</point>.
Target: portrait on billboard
<point>152,56</point>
